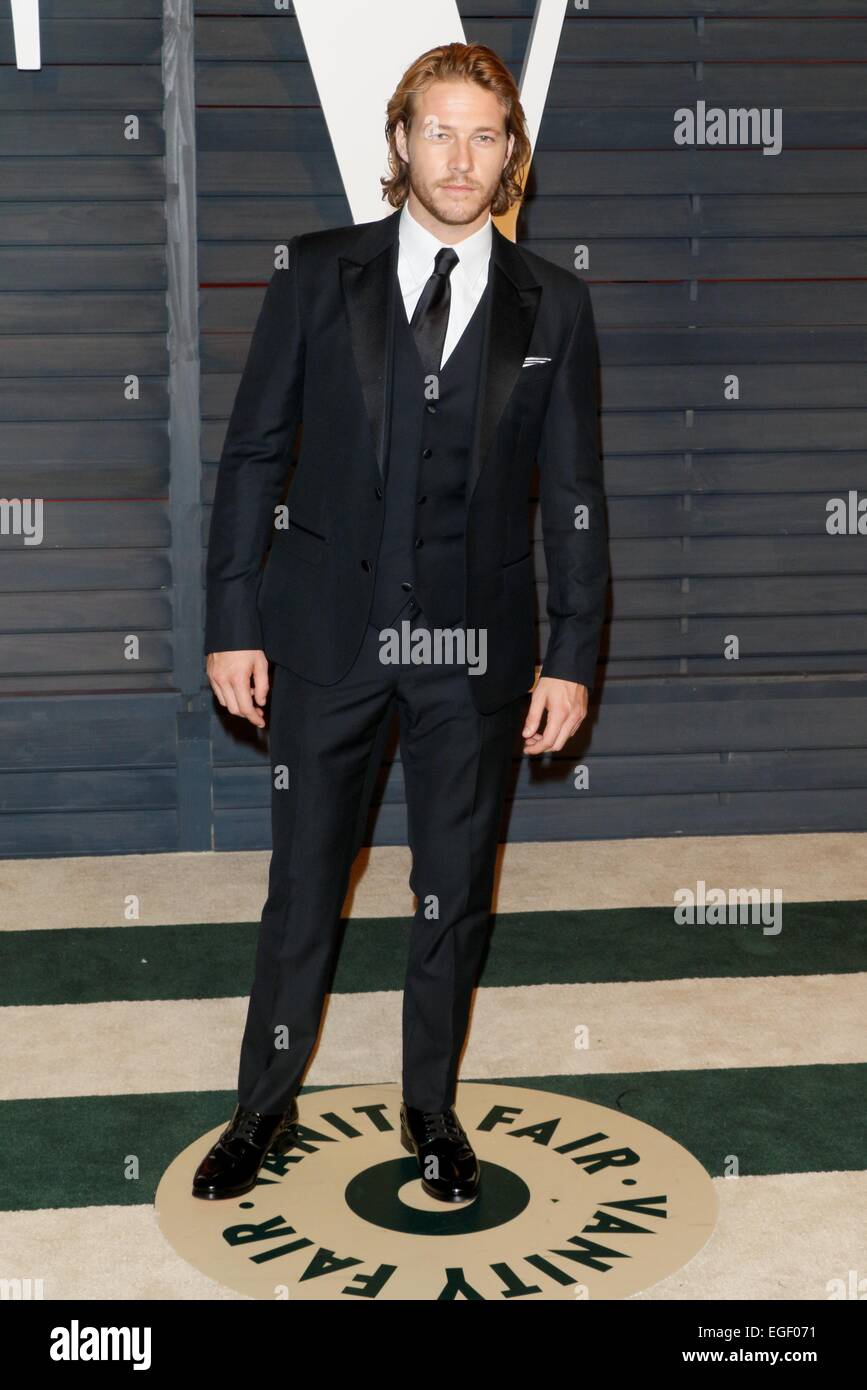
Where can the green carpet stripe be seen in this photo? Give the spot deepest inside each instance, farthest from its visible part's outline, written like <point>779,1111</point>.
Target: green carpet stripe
<point>76,1151</point>
<point>209,961</point>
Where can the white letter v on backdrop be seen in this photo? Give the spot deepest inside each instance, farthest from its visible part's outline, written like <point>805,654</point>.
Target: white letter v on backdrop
<point>25,32</point>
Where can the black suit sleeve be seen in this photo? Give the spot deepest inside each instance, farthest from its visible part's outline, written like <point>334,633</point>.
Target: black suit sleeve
<point>570,479</point>
<point>254,464</point>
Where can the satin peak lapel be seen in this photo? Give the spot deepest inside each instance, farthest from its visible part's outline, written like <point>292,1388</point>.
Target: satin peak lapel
<point>514,304</point>
<point>367,279</point>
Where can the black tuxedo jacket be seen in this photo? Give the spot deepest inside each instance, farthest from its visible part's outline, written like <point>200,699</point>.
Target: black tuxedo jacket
<point>319,356</point>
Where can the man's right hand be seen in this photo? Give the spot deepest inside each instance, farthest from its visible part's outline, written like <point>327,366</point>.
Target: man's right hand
<point>232,674</point>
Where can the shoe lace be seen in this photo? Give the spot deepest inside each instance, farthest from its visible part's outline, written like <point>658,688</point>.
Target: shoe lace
<point>444,1125</point>
<point>246,1125</point>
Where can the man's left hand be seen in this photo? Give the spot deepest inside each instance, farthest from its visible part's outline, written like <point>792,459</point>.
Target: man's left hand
<point>564,703</point>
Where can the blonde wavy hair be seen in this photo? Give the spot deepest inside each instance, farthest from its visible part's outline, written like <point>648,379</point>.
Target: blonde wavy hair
<point>451,62</point>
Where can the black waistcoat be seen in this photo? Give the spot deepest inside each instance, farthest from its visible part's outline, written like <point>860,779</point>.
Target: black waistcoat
<point>421,553</point>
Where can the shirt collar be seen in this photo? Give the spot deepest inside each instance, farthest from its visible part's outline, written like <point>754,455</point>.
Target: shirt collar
<point>420,247</point>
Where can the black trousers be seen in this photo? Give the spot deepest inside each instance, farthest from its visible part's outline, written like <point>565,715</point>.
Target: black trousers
<point>326,745</point>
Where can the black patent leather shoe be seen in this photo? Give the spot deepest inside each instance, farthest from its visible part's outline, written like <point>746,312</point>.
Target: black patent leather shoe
<point>232,1166</point>
<point>439,1136</point>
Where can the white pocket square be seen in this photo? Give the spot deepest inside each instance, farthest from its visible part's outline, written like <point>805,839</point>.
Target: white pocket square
<point>535,361</point>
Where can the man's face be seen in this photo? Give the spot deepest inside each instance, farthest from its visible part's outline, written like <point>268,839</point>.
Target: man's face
<point>456,151</point>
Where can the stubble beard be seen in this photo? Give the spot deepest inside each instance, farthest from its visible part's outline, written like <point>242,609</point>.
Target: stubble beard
<point>440,204</point>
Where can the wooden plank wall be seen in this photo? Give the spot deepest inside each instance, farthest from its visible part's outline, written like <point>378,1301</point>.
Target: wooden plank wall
<point>88,760</point>
<point>702,263</point>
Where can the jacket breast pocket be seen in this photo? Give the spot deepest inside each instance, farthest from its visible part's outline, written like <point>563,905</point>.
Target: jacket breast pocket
<point>532,391</point>
<point>536,374</point>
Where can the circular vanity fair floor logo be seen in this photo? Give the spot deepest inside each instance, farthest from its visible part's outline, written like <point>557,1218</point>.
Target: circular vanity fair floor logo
<point>576,1201</point>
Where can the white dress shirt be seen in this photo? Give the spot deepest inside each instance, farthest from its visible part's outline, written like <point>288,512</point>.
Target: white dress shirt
<point>415,266</point>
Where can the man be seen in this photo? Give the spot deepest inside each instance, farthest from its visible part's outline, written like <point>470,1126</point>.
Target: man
<point>431,362</point>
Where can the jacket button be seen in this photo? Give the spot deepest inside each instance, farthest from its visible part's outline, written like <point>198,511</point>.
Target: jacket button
<point>419,543</point>
<point>427,453</point>
<point>431,409</point>
<point>422,499</point>
<point>366,565</point>
<point>379,493</point>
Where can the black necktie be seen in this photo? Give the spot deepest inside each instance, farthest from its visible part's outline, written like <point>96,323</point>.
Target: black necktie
<point>431,315</point>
